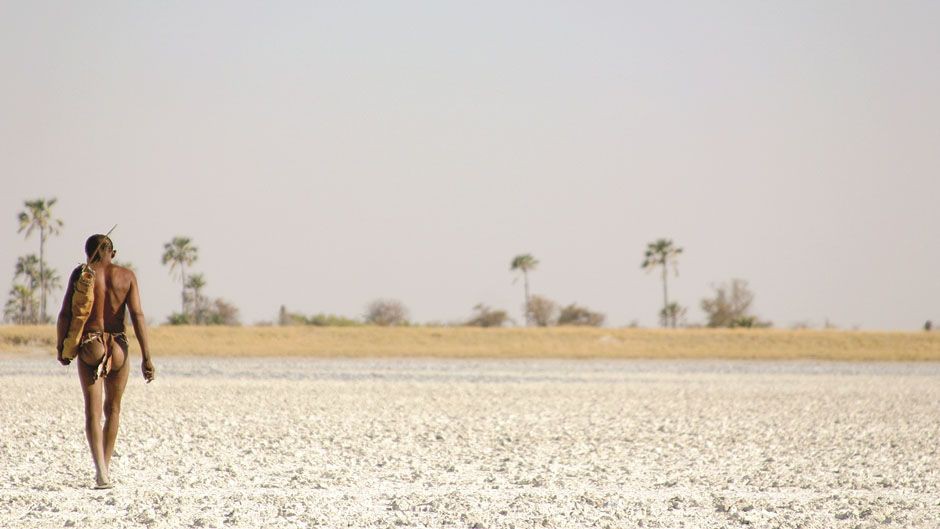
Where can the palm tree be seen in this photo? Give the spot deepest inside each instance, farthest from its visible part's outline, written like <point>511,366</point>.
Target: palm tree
<point>27,267</point>
<point>38,214</point>
<point>672,314</point>
<point>181,253</point>
<point>49,280</point>
<point>524,263</point>
<point>196,283</point>
<point>662,253</point>
<point>20,306</point>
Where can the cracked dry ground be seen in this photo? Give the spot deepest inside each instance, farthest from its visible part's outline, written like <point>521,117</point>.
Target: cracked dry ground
<point>439,443</point>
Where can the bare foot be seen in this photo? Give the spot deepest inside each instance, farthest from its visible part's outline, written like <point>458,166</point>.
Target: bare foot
<point>102,482</point>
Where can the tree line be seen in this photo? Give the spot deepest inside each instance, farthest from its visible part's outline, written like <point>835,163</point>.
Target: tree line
<point>195,307</point>
<point>730,304</point>
<point>34,280</point>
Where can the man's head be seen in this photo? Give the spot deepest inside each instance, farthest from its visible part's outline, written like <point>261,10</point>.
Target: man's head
<point>106,248</point>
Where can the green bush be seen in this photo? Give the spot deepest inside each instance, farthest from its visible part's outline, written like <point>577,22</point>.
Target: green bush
<point>332,320</point>
<point>178,319</point>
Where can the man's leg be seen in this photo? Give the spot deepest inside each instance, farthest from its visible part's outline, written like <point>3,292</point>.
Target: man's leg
<point>114,385</point>
<point>91,390</point>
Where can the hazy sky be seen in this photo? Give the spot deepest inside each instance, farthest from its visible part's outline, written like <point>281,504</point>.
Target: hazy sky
<point>322,154</point>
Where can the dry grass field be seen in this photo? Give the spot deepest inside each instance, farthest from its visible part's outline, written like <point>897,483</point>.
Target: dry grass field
<point>562,342</point>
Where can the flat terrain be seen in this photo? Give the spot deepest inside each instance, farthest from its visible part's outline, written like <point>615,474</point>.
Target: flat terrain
<point>299,442</point>
<point>554,342</point>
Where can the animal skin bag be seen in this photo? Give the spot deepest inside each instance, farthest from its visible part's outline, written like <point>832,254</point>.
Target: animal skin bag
<point>83,299</point>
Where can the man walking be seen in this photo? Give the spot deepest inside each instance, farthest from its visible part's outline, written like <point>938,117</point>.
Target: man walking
<point>102,353</point>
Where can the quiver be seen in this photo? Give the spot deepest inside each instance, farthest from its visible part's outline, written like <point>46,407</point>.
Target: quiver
<point>83,299</point>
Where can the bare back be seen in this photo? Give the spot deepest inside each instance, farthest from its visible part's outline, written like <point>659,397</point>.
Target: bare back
<point>113,286</point>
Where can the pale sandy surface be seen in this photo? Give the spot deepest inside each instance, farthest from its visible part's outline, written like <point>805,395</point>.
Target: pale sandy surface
<point>451,443</point>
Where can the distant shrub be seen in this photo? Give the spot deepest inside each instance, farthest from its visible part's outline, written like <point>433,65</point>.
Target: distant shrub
<point>322,319</point>
<point>748,322</point>
<point>290,318</point>
<point>487,317</point>
<point>221,312</point>
<point>672,315</point>
<point>386,312</point>
<point>218,312</point>
<point>177,318</point>
<point>731,306</point>
<point>542,310</point>
<point>331,320</point>
<point>576,315</point>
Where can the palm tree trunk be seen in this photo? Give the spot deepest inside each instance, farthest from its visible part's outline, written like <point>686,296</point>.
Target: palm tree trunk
<point>665,297</point>
<point>197,313</point>
<point>42,273</point>
<point>525,280</point>
<point>183,293</point>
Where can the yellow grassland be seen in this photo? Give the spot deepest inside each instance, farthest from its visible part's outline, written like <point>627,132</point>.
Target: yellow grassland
<point>464,342</point>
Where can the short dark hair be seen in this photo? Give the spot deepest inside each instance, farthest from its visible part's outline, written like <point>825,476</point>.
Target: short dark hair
<point>92,244</point>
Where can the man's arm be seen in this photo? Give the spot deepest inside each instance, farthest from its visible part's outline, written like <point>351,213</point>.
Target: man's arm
<point>65,317</point>
<point>140,328</point>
